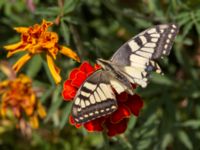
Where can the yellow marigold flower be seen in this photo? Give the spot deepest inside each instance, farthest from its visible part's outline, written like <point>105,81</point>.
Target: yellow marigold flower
<point>18,96</point>
<point>35,40</point>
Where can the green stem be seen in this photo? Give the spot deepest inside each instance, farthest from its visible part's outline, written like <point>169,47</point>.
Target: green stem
<point>77,40</point>
<point>106,141</point>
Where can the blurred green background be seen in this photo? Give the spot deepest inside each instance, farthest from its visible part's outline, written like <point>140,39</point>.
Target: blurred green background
<point>170,118</point>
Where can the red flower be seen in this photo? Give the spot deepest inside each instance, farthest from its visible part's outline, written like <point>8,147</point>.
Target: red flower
<point>114,123</point>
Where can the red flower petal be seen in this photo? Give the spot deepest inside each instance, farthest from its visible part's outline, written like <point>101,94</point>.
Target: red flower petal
<point>69,91</point>
<point>117,128</point>
<point>115,123</point>
<point>121,113</point>
<point>73,73</point>
<point>134,103</point>
<point>72,122</point>
<point>123,97</point>
<point>86,68</point>
<point>79,79</point>
<point>95,125</point>
<point>97,66</point>
<point>67,83</point>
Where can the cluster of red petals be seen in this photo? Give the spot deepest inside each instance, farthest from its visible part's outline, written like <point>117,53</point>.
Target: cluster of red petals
<point>114,123</point>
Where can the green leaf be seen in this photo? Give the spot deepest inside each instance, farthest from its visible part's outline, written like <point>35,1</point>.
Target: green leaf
<point>47,94</point>
<point>49,11</point>
<point>53,108</point>
<point>65,114</point>
<point>2,3</point>
<point>167,139</point>
<point>162,79</point>
<point>65,32</point>
<point>184,21</point>
<point>74,20</point>
<point>195,124</point>
<point>188,41</point>
<point>132,123</point>
<point>197,110</point>
<point>69,5</point>
<point>184,139</point>
<point>179,56</point>
<point>183,15</point>
<point>56,102</point>
<point>197,25</point>
<point>155,7</point>
<point>126,144</point>
<point>34,66</point>
<point>144,144</point>
<point>187,28</point>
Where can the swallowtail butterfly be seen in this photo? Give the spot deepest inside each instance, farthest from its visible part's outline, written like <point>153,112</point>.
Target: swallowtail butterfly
<point>131,63</point>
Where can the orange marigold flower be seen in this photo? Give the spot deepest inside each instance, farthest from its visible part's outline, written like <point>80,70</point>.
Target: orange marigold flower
<point>18,96</point>
<point>114,123</point>
<point>35,40</point>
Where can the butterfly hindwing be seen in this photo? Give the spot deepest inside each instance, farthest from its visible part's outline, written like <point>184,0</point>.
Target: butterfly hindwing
<point>94,98</point>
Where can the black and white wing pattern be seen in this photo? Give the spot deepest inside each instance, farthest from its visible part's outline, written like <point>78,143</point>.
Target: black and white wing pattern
<point>132,62</point>
<point>94,98</point>
<point>138,56</point>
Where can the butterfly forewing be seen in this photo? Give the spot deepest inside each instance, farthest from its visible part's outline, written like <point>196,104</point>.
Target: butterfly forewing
<point>167,36</point>
<point>94,99</point>
<point>137,56</point>
<point>151,43</point>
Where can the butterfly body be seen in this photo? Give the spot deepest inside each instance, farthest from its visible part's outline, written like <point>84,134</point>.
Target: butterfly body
<point>115,74</point>
<point>131,64</point>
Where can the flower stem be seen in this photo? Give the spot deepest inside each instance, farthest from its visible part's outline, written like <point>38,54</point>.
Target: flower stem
<point>77,40</point>
<point>106,141</point>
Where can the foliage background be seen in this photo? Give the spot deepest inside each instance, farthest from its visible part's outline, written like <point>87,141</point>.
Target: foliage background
<point>96,28</point>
